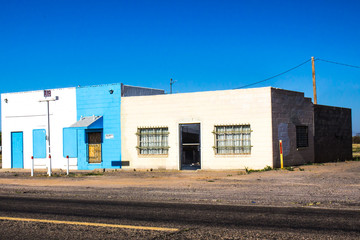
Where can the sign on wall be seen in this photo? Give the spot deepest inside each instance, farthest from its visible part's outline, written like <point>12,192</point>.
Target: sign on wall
<point>109,136</point>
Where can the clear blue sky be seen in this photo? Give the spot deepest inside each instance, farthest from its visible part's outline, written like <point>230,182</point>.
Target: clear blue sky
<point>204,45</point>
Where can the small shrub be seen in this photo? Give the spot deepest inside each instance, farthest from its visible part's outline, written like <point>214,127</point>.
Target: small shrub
<point>84,174</point>
<point>267,168</point>
<point>93,174</point>
<point>356,139</point>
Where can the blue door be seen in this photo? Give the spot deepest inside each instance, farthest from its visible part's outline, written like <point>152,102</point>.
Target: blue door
<point>17,150</point>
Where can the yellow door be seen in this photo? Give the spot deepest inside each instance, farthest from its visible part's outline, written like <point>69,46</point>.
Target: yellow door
<point>94,147</point>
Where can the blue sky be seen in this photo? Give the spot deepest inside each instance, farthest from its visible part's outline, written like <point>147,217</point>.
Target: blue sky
<point>204,45</point>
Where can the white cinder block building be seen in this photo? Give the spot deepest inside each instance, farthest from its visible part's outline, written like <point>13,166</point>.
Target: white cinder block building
<point>230,129</point>
<point>119,126</point>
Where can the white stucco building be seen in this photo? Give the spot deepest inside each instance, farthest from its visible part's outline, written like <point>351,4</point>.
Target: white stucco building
<point>22,114</point>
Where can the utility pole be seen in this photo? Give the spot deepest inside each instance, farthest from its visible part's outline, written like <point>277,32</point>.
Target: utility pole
<point>171,83</point>
<point>314,80</point>
<point>47,93</point>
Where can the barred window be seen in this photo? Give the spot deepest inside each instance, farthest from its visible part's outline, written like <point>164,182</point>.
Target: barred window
<point>94,145</point>
<point>302,136</point>
<point>232,139</point>
<point>153,140</point>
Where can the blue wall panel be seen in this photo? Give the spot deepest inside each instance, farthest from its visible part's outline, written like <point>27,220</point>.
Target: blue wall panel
<point>98,101</point>
<point>39,143</point>
<point>70,142</point>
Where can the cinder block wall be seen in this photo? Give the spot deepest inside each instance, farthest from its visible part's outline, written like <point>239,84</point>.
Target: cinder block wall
<point>333,134</point>
<point>243,106</point>
<point>291,109</point>
<point>98,101</point>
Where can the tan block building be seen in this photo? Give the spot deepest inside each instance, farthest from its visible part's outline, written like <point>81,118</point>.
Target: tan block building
<point>232,129</point>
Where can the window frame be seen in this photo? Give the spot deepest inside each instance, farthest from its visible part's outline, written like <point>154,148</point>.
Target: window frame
<point>233,149</point>
<point>298,138</point>
<point>161,150</point>
<point>91,131</point>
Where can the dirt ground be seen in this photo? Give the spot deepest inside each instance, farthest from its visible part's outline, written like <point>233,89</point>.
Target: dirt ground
<point>330,185</point>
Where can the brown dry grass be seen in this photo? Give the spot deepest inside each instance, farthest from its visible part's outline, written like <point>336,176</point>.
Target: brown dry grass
<point>356,150</point>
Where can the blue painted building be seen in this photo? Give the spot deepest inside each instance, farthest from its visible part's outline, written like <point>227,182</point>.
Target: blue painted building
<point>97,133</point>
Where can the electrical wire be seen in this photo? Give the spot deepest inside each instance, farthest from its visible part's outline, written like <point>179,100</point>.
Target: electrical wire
<point>251,84</point>
<point>344,64</point>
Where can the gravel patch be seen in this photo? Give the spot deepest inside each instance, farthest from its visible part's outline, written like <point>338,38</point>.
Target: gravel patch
<point>330,185</point>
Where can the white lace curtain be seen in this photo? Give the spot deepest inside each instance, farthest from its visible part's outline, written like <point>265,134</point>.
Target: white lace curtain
<point>233,139</point>
<point>153,141</point>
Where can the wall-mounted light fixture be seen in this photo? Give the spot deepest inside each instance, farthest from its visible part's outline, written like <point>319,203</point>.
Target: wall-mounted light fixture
<point>6,100</point>
<point>111,91</point>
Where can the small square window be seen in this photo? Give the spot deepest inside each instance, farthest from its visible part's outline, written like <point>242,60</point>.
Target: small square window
<point>302,139</point>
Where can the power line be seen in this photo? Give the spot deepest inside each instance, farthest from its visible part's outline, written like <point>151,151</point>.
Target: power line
<point>248,85</point>
<point>344,64</point>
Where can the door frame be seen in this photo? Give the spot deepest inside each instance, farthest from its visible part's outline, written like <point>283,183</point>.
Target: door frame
<point>181,143</point>
<point>22,149</point>
<point>87,131</point>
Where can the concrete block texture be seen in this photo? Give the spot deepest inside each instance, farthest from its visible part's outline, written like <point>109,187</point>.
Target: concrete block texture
<point>231,107</point>
<point>289,110</point>
<point>333,134</point>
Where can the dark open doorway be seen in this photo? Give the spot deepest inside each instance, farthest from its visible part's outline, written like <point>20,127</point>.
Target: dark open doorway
<point>190,157</point>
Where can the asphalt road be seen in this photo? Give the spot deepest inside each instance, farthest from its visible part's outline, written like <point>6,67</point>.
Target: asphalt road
<point>190,221</point>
